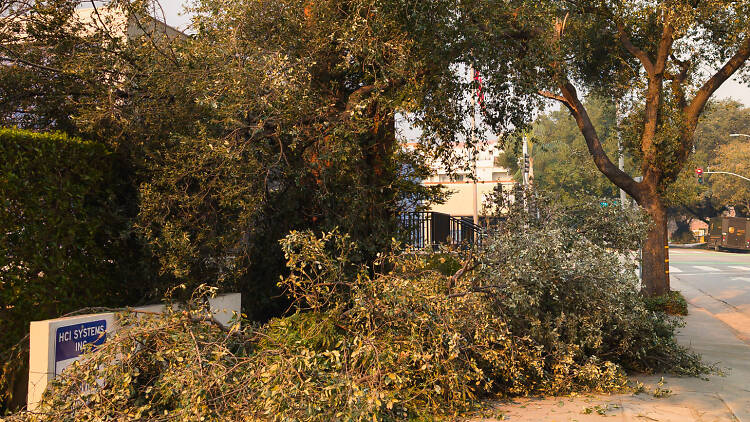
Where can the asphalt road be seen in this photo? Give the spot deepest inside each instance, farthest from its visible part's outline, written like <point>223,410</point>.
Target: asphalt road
<point>724,276</point>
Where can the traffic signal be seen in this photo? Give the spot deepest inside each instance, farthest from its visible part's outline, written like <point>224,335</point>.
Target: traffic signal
<point>526,163</point>
<point>699,173</point>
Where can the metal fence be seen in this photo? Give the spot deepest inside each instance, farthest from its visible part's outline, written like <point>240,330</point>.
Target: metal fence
<point>428,229</point>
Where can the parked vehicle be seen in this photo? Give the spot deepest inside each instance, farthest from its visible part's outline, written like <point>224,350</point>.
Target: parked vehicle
<point>729,233</point>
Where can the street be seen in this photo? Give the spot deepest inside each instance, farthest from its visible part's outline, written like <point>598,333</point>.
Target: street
<point>724,276</point>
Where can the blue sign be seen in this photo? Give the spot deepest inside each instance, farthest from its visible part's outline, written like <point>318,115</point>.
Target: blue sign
<point>70,340</point>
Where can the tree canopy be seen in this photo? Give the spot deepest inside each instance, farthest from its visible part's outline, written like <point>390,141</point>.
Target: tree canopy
<point>272,116</point>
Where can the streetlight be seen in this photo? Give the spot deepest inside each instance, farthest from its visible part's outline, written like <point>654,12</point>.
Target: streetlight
<point>722,172</point>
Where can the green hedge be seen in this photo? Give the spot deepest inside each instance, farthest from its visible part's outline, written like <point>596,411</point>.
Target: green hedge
<point>65,241</point>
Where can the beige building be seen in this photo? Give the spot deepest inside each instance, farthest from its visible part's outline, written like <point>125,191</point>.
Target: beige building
<point>489,175</point>
<point>118,24</point>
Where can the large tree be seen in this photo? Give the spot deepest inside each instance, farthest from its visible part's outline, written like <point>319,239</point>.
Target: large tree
<point>272,116</point>
<point>650,56</point>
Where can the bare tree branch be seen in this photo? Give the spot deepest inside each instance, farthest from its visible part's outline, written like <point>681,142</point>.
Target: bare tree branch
<point>553,96</point>
<point>479,289</point>
<point>357,96</point>
<point>664,49</point>
<point>654,96</point>
<point>701,97</point>
<point>30,64</point>
<point>602,161</point>
<point>635,51</point>
<point>464,268</point>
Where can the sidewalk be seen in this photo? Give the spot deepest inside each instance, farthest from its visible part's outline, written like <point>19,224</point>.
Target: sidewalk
<point>714,329</point>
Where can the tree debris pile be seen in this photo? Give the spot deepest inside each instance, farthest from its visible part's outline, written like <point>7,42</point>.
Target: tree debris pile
<point>543,312</point>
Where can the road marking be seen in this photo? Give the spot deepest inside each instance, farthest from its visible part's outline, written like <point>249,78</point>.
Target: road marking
<point>704,268</point>
<point>737,267</point>
<point>742,278</point>
<point>674,269</point>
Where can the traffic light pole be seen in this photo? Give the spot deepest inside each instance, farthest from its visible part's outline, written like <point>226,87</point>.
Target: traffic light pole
<point>620,152</point>
<point>475,189</point>
<point>726,172</point>
<point>525,162</point>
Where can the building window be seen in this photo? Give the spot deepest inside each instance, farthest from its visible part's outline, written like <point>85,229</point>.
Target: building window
<point>447,178</point>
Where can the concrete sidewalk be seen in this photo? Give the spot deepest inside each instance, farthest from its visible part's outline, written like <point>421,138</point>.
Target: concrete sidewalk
<point>715,330</point>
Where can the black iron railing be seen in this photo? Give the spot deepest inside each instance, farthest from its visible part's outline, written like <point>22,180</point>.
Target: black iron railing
<point>428,229</point>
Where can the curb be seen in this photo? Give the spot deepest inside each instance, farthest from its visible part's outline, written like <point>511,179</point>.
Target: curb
<point>687,245</point>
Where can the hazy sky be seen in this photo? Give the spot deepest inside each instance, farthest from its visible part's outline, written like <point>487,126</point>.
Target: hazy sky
<point>174,13</point>
<point>175,17</point>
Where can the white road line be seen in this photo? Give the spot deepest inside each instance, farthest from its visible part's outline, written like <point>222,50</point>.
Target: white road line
<point>674,269</point>
<point>704,268</point>
<point>742,278</point>
<point>737,267</point>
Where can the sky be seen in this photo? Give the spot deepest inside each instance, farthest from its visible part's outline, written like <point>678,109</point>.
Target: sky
<point>173,10</point>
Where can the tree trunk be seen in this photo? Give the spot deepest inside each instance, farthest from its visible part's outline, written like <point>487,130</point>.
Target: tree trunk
<point>655,270</point>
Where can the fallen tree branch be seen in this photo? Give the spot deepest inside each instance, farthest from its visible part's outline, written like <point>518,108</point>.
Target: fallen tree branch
<point>464,268</point>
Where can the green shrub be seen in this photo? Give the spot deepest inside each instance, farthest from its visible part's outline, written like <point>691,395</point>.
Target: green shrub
<point>65,241</point>
<point>444,263</point>
<point>672,303</point>
<point>534,312</point>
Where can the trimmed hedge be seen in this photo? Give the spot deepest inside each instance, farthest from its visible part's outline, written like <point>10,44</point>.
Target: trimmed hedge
<point>65,240</point>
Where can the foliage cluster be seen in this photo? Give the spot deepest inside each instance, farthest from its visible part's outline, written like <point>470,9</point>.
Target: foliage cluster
<point>730,190</point>
<point>296,130</point>
<point>537,311</point>
<point>66,241</point>
<point>269,117</point>
<point>673,303</point>
<point>611,227</point>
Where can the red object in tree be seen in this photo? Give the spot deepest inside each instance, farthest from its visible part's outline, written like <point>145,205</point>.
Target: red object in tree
<point>480,94</point>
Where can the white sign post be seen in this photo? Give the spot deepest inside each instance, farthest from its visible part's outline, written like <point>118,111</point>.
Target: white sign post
<point>54,344</point>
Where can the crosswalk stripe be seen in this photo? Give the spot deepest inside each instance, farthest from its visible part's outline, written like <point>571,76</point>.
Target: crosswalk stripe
<point>704,268</point>
<point>674,269</point>
<point>737,267</point>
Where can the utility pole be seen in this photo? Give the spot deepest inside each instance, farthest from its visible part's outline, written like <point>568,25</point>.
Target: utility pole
<point>620,151</point>
<point>475,193</point>
<point>525,162</point>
